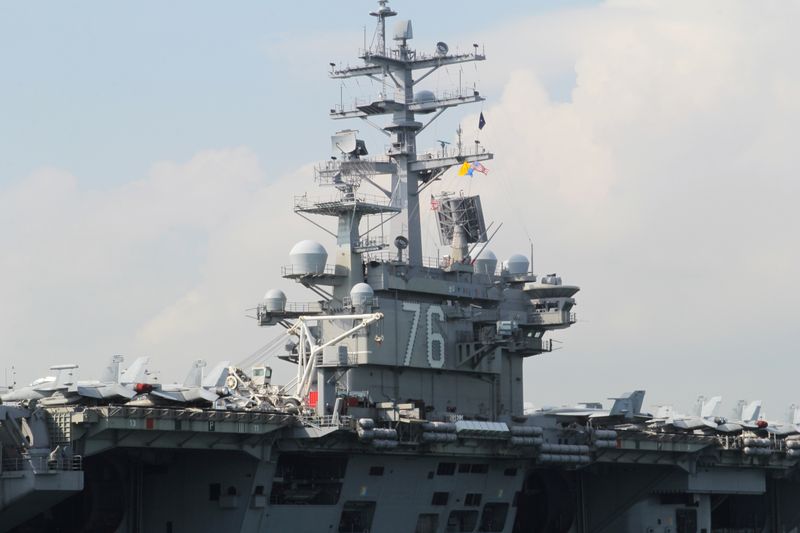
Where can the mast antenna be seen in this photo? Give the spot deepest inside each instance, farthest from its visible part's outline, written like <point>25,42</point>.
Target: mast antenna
<point>382,14</point>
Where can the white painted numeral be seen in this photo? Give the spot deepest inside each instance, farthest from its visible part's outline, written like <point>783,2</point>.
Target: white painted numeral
<point>435,362</point>
<point>408,306</point>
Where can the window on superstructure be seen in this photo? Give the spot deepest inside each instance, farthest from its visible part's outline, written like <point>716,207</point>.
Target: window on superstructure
<point>472,499</point>
<point>493,517</point>
<point>356,517</point>
<point>440,498</point>
<point>511,472</point>
<point>461,521</point>
<point>427,523</point>
<point>376,471</point>
<point>446,469</point>
<point>214,490</point>
<point>479,468</point>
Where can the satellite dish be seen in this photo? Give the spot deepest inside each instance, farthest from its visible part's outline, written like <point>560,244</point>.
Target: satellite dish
<point>442,48</point>
<point>401,243</point>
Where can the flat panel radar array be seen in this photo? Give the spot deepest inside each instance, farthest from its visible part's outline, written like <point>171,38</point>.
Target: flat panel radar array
<point>464,211</point>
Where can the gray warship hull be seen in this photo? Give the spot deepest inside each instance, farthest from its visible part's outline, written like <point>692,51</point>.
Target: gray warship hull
<point>201,470</point>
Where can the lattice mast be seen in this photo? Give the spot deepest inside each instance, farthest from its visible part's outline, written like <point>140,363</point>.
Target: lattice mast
<point>396,66</point>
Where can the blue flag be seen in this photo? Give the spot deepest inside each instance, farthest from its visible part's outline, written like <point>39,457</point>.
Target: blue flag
<point>481,121</point>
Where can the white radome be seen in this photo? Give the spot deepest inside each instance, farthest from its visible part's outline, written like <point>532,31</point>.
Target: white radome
<point>361,294</point>
<point>486,263</point>
<point>275,301</point>
<point>516,265</point>
<point>308,257</point>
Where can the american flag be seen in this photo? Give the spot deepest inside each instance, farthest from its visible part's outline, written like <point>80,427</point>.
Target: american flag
<point>480,168</point>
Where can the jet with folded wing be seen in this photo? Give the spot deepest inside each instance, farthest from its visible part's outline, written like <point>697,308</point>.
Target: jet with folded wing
<point>627,407</point>
<point>44,387</point>
<point>197,388</point>
<point>746,415</point>
<point>114,383</point>
<point>704,416</point>
<point>790,426</point>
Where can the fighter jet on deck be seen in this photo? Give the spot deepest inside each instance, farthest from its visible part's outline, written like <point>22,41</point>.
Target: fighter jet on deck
<point>197,388</point>
<point>704,416</point>
<point>787,427</point>
<point>62,389</point>
<point>627,407</point>
<point>745,416</point>
<point>42,387</point>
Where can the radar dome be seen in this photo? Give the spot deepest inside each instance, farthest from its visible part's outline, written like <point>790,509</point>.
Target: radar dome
<point>486,263</point>
<point>275,301</point>
<point>308,257</point>
<point>517,265</point>
<point>361,294</point>
<point>424,97</point>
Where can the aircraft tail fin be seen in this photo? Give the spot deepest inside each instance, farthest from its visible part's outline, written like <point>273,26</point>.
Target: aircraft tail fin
<point>111,373</point>
<point>217,375</point>
<point>195,376</point>
<point>751,411</point>
<point>664,411</point>
<point>628,405</point>
<point>794,414</point>
<point>136,372</point>
<point>709,407</point>
<point>65,376</point>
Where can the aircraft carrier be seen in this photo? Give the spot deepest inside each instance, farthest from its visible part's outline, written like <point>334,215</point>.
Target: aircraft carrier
<point>406,412</point>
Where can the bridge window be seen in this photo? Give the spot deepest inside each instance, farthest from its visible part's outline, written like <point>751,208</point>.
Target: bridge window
<point>427,523</point>
<point>356,516</point>
<point>446,469</point>
<point>462,521</point>
<point>440,498</point>
<point>494,517</point>
<point>479,468</point>
<point>214,490</point>
<point>302,479</point>
<point>472,499</point>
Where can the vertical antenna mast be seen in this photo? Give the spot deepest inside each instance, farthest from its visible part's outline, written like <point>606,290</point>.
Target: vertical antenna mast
<point>397,66</point>
<point>382,13</point>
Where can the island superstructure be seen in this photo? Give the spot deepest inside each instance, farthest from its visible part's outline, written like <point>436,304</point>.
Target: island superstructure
<point>406,410</point>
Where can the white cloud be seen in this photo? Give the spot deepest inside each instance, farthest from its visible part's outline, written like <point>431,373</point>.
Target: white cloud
<point>164,265</point>
<point>664,186</point>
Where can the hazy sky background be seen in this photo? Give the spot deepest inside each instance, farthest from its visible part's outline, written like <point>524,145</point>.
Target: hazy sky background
<point>149,154</point>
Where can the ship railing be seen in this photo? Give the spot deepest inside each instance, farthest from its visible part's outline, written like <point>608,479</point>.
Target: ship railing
<point>449,153</point>
<point>329,172</point>
<point>305,201</point>
<point>354,103</point>
<point>347,302</point>
<point>549,316</point>
<point>42,463</point>
<point>352,359</point>
<point>327,421</point>
<point>295,270</point>
<point>388,257</point>
<point>294,307</point>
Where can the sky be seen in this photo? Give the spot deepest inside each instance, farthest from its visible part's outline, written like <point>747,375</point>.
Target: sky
<point>149,154</point>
